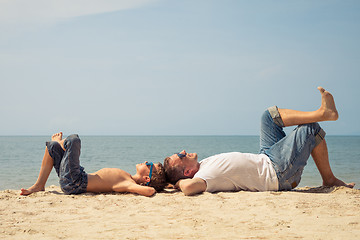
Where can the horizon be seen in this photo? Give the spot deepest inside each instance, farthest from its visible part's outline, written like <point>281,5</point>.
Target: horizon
<point>86,135</point>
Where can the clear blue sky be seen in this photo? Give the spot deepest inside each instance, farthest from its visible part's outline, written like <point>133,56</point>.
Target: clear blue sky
<point>161,67</point>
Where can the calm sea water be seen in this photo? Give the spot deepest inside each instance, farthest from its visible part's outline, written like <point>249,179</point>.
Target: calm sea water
<point>20,157</point>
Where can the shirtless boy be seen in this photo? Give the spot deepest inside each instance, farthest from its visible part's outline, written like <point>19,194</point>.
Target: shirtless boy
<point>63,155</point>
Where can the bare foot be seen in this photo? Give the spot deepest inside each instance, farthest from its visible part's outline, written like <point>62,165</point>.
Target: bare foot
<point>32,189</point>
<point>328,106</point>
<point>58,138</point>
<point>337,183</point>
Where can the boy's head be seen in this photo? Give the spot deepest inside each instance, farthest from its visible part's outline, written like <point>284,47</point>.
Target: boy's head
<point>158,179</point>
<point>156,174</point>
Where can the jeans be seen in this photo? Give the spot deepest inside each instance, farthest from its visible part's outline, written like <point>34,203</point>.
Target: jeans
<point>73,178</point>
<point>288,154</point>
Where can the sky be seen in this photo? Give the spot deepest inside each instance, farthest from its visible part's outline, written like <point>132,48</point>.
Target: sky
<point>162,67</point>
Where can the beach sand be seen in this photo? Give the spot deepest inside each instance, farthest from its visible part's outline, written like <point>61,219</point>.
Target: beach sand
<point>310,213</point>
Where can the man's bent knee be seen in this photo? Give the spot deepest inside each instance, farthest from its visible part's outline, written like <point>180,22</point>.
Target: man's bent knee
<point>310,128</point>
<point>313,129</point>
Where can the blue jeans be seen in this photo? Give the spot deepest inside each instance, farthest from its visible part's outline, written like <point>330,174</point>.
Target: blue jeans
<point>73,178</point>
<point>288,154</point>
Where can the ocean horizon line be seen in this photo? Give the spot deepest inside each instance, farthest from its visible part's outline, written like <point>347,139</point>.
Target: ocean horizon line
<point>168,135</point>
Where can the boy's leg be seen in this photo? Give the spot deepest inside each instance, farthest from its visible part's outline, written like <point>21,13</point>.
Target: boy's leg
<point>321,159</point>
<point>73,179</point>
<point>46,166</point>
<point>326,112</point>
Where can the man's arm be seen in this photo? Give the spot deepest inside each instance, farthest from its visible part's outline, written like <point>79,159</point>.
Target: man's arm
<point>191,186</point>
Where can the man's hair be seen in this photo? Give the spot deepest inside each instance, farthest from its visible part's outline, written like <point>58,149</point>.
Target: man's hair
<point>173,173</point>
<point>158,178</point>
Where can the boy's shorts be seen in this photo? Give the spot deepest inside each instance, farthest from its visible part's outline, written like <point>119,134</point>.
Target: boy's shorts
<point>73,178</point>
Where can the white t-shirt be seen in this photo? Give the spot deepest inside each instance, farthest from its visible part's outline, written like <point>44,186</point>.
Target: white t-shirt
<point>237,171</point>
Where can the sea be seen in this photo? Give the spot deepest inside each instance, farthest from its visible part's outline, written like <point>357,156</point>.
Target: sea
<point>21,156</point>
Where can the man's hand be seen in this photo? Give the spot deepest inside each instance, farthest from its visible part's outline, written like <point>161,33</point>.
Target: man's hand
<point>191,186</point>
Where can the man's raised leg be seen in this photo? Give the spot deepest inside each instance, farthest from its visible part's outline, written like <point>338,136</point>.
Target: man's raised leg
<point>326,112</point>
<point>45,170</point>
<point>321,158</point>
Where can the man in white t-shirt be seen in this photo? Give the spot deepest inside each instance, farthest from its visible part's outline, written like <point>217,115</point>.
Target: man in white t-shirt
<point>279,164</point>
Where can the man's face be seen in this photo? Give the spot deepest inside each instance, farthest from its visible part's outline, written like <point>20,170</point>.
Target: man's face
<point>185,160</point>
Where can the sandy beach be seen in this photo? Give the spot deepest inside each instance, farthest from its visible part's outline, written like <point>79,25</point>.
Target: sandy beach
<point>309,213</point>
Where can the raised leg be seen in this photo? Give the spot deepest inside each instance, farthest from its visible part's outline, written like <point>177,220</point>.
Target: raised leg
<point>321,158</point>
<point>45,170</point>
<point>73,178</point>
<point>326,112</point>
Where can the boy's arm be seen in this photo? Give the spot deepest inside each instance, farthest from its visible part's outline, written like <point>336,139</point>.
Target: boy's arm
<point>191,186</point>
<point>142,190</point>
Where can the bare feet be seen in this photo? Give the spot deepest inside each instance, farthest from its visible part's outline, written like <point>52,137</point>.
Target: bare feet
<point>328,107</point>
<point>32,189</point>
<point>337,183</point>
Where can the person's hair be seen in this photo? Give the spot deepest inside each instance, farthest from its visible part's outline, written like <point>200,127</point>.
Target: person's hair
<point>173,173</point>
<point>158,178</point>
